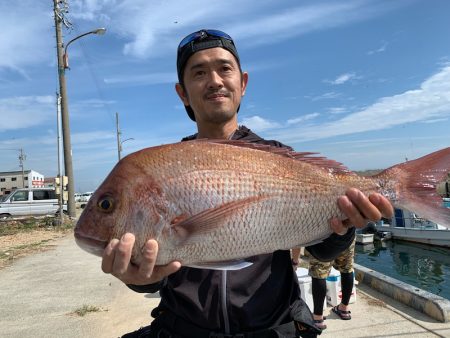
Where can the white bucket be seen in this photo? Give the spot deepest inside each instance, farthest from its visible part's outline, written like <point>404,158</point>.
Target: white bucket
<point>334,290</point>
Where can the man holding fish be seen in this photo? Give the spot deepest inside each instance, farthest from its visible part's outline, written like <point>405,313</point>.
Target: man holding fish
<point>257,297</point>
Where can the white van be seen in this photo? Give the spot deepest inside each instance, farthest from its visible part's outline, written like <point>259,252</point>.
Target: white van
<point>86,196</point>
<point>33,201</point>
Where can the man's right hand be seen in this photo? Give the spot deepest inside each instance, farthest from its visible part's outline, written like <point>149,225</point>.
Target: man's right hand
<point>117,261</point>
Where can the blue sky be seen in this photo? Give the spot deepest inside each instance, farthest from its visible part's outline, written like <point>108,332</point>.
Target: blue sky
<point>366,83</point>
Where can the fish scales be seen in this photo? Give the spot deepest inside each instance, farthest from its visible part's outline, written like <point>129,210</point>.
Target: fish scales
<point>295,197</point>
<point>209,202</point>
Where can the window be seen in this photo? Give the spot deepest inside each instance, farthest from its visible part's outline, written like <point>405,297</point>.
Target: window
<point>3,189</point>
<point>43,195</point>
<point>13,178</point>
<point>2,180</point>
<point>26,178</point>
<point>20,196</point>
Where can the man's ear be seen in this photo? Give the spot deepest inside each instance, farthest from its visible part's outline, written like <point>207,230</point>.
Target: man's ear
<point>182,94</point>
<point>244,82</point>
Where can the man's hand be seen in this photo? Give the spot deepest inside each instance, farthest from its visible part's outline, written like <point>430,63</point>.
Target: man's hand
<point>360,209</point>
<point>116,261</point>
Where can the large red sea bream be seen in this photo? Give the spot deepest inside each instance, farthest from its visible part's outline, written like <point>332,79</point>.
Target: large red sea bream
<point>207,202</point>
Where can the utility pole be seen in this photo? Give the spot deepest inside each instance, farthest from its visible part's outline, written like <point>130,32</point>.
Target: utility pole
<point>119,145</point>
<point>60,9</point>
<point>119,141</point>
<point>61,180</point>
<point>22,157</point>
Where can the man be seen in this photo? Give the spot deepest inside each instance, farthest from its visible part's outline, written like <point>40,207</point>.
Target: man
<point>319,271</point>
<point>261,300</point>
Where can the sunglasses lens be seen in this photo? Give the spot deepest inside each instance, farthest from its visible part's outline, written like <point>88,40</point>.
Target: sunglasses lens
<point>189,38</point>
<point>208,32</point>
<point>219,34</point>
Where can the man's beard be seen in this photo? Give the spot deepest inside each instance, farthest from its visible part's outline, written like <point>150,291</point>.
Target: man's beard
<point>219,117</point>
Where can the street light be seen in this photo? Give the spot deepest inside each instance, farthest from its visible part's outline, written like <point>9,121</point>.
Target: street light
<point>67,147</point>
<point>120,146</point>
<point>98,31</point>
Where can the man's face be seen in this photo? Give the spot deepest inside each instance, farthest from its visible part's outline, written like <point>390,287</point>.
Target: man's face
<point>213,85</point>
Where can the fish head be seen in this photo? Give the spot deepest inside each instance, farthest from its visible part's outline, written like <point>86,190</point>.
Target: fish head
<point>129,200</point>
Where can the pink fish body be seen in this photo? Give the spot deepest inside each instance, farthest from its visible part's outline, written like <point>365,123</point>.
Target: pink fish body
<point>216,201</point>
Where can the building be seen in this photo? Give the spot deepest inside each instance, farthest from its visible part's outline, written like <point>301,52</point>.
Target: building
<point>49,182</point>
<point>11,180</point>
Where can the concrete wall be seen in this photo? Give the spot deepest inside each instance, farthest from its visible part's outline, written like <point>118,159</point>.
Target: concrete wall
<point>432,305</point>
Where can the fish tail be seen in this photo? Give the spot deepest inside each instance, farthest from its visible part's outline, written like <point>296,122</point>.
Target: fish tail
<point>417,183</point>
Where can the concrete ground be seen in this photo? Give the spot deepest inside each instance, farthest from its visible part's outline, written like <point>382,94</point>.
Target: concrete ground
<point>376,315</point>
<point>39,295</point>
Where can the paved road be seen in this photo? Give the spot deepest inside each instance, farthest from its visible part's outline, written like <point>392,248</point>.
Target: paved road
<point>39,293</point>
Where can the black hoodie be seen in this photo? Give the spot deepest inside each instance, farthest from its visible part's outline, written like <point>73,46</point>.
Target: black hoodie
<point>251,299</point>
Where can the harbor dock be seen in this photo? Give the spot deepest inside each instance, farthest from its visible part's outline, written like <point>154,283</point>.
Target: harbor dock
<point>41,296</point>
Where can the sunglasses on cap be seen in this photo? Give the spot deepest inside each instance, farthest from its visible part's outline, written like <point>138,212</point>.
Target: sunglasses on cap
<point>203,34</point>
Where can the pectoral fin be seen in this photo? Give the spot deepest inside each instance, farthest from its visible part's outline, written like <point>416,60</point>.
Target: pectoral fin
<point>189,229</point>
<point>229,265</point>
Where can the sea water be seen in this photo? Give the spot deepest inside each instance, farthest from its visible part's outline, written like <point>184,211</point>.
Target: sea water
<point>420,265</point>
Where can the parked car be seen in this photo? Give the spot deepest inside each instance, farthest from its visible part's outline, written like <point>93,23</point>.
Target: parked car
<point>86,196</point>
<point>32,201</point>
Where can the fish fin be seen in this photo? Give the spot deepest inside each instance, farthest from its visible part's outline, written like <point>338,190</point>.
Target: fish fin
<point>188,229</point>
<point>418,181</point>
<point>179,218</point>
<point>226,265</point>
<point>331,166</point>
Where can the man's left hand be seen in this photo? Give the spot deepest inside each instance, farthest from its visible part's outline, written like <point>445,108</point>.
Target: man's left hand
<point>360,209</point>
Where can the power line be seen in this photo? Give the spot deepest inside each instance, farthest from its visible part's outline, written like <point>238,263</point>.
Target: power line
<point>95,80</point>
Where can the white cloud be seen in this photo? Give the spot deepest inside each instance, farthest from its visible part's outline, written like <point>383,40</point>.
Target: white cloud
<point>324,96</point>
<point>378,50</point>
<point>343,78</point>
<point>92,137</point>
<point>27,35</point>
<point>141,79</point>
<point>259,124</point>
<point>156,27</point>
<point>429,102</point>
<point>93,103</point>
<point>91,9</point>
<point>34,111</point>
<point>303,118</point>
<point>26,111</point>
<point>337,110</point>
<point>436,120</point>
<point>298,20</point>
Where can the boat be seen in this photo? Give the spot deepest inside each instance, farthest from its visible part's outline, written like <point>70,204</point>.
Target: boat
<point>408,226</point>
<point>373,229</point>
<point>446,202</point>
<point>364,238</point>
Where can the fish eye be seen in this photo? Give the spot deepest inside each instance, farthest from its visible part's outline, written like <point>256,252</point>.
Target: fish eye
<point>106,204</point>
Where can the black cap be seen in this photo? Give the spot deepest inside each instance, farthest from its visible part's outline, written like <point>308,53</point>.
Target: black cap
<point>197,41</point>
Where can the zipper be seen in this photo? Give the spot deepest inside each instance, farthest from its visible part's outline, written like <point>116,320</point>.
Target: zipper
<point>224,302</point>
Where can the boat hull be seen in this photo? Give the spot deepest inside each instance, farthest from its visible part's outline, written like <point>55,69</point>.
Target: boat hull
<point>426,236</point>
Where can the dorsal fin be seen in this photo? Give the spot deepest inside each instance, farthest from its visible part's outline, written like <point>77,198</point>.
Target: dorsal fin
<point>331,166</point>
